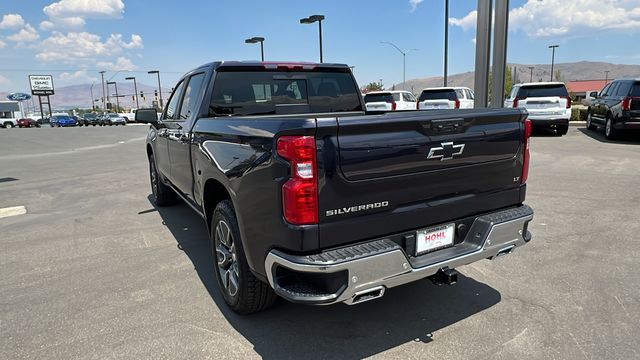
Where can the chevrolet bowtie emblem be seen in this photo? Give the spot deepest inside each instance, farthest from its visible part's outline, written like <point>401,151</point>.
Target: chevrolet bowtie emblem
<point>445,152</point>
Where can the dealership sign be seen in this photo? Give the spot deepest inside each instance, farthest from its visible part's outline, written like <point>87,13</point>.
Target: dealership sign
<point>18,97</point>
<point>41,84</point>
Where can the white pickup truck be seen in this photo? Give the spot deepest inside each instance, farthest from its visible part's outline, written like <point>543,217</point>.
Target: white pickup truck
<point>8,122</point>
<point>129,116</point>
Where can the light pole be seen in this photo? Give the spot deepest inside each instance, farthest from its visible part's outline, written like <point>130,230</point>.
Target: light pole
<point>157,72</point>
<point>553,55</point>
<point>606,77</point>
<point>104,104</point>
<point>135,90</point>
<point>117,96</point>
<point>404,59</point>
<point>531,74</point>
<point>310,20</point>
<point>255,40</point>
<point>446,40</point>
<point>93,108</point>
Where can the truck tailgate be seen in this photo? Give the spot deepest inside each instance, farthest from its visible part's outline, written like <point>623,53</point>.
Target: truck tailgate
<point>398,172</point>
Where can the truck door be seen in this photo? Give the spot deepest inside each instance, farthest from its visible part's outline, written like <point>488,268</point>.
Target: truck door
<point>167,119</point>
<point>180,136</point>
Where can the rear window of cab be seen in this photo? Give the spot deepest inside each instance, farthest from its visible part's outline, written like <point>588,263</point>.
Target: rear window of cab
<point>542,91</point>
<point>440,94</point>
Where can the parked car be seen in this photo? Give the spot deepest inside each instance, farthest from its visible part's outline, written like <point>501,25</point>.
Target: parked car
<point>27,122</point>
<point>389,101</point>
<point>446,98</point>
<point>8,123</point>
<point>548,104</point>
<point>308,198</point>
<point>90,119</point>
<point>104,120</point>
<point>116,119</point>
<point>61,121</point>
<point>617,108</point>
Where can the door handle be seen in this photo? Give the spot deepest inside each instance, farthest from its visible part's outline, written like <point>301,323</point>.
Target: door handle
<point>184,138</point>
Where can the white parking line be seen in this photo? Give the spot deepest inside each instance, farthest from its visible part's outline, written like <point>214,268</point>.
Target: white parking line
<point>12,211</point>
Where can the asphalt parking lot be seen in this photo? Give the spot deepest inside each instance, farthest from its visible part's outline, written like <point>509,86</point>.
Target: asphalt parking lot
<point>94,271</point>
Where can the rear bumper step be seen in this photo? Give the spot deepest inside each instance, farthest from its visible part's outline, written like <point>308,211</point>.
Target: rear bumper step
<point>362,272</point>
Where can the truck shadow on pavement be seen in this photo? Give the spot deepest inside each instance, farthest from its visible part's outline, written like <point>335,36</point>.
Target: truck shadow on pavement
<point>630,138</point>
<point>409,313</point>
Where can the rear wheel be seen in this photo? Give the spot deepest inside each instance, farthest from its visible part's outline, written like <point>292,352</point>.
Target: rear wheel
<point>590,125</point>
<point>562,129</point>
<point>162,194</point>
<point>8,125</point>
<point>242,291</point>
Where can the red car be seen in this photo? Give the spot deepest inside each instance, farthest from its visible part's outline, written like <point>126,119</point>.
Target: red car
<point>27,123</point>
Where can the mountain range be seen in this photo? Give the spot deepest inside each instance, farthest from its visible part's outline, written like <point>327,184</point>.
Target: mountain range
<point>583,70</point>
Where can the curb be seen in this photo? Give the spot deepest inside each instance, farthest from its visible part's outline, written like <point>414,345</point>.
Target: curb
<point>577,123</point>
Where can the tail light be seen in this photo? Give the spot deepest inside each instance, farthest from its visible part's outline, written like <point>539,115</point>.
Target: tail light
<point>457,104</point>
<point>568,102</point>
<point>515,103</point>
<point>300,192</point>
<point>417,105</point>
<point>526,156</point>
<point>393,105</point>
<point>626,103</point>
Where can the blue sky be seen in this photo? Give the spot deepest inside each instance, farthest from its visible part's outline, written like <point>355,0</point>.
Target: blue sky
<point>74,39</point>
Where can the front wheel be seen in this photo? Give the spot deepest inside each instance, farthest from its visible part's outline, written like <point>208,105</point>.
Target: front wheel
<point>609,131</point>
<point>8,125</point>
<point>590,125</point>
<point>163,195</point>
<point>242,291</point>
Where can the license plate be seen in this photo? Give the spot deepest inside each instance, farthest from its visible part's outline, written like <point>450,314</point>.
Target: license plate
<point>434,238</point>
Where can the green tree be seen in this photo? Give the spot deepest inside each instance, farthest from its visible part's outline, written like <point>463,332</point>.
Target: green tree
<point>508,83</point>
<point>374,86</point>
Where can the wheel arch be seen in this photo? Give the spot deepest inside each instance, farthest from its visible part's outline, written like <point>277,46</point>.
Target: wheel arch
<point>213,193</point>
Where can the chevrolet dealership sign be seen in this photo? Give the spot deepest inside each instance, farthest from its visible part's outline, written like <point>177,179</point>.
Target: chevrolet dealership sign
<point>41,84</point>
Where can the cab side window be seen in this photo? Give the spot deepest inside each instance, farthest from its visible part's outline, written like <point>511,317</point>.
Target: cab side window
<point>624,88</point>
<point>191,96</point>
<point>171,110</point>
<point>605,91</point>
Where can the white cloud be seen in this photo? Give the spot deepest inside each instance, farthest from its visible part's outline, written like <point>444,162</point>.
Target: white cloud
<point>121,63</point>
<point>2,44</point>
<point>11,21</point>
<point>73,22</point>
<point>467,22</point>
<point>95,9</point>
<point>84,46</point>
<point>77,76</point>
<point>47,25</point>
<point>4,80</point>
<point>26,34</point>
<point>414,4</point>
<point>543,18</point>
<point>116,40</point>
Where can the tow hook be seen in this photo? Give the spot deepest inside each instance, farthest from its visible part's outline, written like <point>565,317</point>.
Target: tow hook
<point>445,276</point>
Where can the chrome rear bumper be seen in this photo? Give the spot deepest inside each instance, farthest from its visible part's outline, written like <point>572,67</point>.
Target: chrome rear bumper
<point>363,271</point>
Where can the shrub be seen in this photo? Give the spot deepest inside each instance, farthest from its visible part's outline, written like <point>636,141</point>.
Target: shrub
<point>578,114</point>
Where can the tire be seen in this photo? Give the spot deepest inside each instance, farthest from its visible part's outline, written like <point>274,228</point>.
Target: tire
<point>8,125</point>
<point>249,294</point>
<point>590,125</point>
<point>609,132</point>
<point>162,194</point>
<point>562,129</point>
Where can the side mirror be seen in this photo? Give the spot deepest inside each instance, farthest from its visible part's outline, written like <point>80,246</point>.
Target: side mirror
<point>147,116</point>
<point>593,94</point>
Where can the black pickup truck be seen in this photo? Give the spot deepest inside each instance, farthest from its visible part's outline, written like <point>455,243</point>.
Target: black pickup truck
<point>307,197</point>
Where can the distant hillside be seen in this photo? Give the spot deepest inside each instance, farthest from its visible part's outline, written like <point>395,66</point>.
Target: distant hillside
<point>73,96</point>
<point>583,70</point>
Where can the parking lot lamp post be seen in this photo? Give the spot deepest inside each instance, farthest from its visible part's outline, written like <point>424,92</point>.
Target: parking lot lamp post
<point>104,104</point>
<point>135,90</point>
<point>606,77</point>
<point>255,40</point>
<point>93,108</point>
<point>446,41</point>
<point>553,55</point>
<point>531,74</point>
<point>157,72</point>
<point>310,20</point>
<point>117,97</point>
<point>404,60</point>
